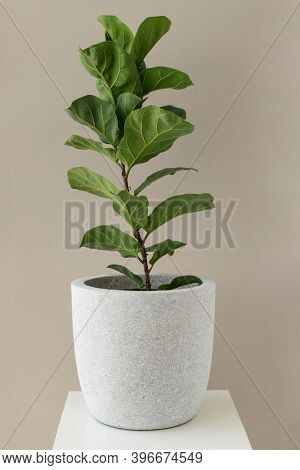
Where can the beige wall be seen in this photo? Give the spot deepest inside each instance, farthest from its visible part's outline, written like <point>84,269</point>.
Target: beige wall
<point>252,157</point>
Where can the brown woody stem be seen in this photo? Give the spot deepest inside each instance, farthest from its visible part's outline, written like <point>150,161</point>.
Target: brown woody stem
<point>125,178</point>
<point>138,237</point>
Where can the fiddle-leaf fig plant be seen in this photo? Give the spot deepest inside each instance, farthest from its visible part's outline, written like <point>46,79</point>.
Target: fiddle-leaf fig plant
<point>129,134</point>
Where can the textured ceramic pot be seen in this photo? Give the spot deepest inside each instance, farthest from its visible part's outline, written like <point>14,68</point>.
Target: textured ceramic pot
<point>143,358</point>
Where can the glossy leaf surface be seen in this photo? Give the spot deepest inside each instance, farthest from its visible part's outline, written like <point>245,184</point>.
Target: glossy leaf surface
<point>98,115</point>
<point>180,281</point>
<point>167,247</point>
<point>148,132</point>
<point>119,32</point>
<point>107,60</point>
<point>133,209</point>
<point>123,270</point>
<point>84,179</point>
<point>127,102</point>
<point>150,31</point>
<point>159,174</point>
<point>159,78</point>
<point>110,238</point>
<point>173,109</point>
<point>83,143</point>
<point>178,205</point>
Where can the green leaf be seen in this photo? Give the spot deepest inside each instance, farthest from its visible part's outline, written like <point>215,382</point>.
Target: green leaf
<point>178,205</point>
<point>159,174</point>
<point>118,31</point>
<point>98,115</point>
<point>134,277</point>
<point>110,238</point>
<point>107,60</point>
<point>84,179</point>
<point>158,78</point>
<point>133,209</point>
<point>179,111</point>
<point>82,143</point>
<point>180,282</point>
<point>161,249</point>
<point>126,103</point>
<point>104,91</point>
<point>150,31</point>
<point>148,132</point>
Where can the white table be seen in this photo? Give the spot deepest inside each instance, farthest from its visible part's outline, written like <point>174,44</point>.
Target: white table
<point>216,426</point>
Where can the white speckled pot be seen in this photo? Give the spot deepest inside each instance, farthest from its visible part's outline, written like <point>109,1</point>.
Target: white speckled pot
<point>143,358</point>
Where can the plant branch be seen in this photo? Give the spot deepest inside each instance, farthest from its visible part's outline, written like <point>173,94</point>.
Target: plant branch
<point>151,269</point>
<point>125,177</point>
<point>138,237</point>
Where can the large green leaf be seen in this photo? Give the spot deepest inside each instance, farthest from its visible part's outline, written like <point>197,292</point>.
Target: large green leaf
<point>83,143</point>
<point>158,78</point>
<point>148,34</point>
<point>180,282</point>
<point>133,209</point>
<point>107,60</point>
<point>104,91</point>
<point>98,115</point>
<point>123,270</point>
<point>110,238</point>
<point>179,111</point>
<point>126,103</point>
<point>118,31</point>
<point>148,132</point>
<point>84,179</point>
<point>167,247</point>
<point>178,205</point>
<point>159,174</point>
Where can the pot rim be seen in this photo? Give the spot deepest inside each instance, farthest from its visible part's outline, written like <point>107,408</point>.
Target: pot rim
<point>80,283</point>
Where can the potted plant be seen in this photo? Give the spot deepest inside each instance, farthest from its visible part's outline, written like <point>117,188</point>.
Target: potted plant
<point>143,342</point>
